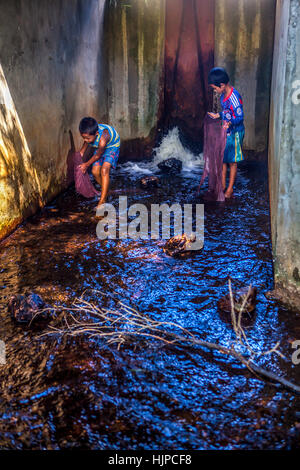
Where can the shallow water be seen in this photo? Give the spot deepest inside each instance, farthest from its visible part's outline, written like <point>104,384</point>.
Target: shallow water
<point>59,393</point>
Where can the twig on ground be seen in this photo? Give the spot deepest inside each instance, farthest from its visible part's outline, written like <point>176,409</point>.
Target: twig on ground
<point>124,324</point>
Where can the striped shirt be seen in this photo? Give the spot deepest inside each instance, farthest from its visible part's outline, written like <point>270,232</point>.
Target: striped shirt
<point>232,111</point>
<point>114,141</point>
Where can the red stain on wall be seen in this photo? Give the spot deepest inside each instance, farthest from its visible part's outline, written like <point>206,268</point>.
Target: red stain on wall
<point>189,56</point>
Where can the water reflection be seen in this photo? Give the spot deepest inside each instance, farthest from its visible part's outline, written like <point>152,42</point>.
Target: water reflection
<point>73,392</point>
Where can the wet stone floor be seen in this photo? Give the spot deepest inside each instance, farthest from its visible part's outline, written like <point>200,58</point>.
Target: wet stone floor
<point>60,392</point>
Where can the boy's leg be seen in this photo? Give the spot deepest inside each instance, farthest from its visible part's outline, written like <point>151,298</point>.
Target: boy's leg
<point>224,173</point>
<point>105,169</point>
<point>232,176</point>
<point>96,171</point>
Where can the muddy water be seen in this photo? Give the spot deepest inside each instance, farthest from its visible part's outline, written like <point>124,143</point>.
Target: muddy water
<point>59,393</point>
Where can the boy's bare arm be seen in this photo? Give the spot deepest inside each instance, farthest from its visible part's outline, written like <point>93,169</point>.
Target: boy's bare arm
<point>102,144</point>
<point>83,148</point>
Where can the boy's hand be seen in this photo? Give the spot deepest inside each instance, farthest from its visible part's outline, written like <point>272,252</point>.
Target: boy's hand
<point>226,124</point>
<point>83,167</point>
<point>214,115</point>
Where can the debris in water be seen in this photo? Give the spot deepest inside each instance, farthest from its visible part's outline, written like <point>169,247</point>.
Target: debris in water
<point>171,166</point>
<point>149,182</point>
<point>25,308</point>
<point>179,246</point>
<point>125,325</point>
<point>239,298</point>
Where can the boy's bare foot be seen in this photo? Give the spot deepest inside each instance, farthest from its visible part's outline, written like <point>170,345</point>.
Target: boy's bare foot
<point>98,217</point>
<point>100,203</point>
<point>229,193</point>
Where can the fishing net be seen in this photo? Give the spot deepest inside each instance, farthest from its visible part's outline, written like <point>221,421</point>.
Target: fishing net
<point>83,184</point>
<point>213,152</point>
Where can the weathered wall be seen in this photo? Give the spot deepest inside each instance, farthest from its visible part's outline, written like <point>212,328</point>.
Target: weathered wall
<point>49,78</point>
<point>284,146</point>
<point>244,46</point>
<point>58,62</point>
<point>189,55</point>
<point>133,47</point>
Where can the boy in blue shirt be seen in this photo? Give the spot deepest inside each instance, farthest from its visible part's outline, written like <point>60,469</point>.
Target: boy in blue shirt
<point>232,116</point>
<point>106,143</point>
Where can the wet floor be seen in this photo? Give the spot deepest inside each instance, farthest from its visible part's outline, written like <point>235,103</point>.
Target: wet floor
<point>61,392</point>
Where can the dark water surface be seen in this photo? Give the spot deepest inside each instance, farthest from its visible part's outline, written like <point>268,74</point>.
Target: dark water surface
<point>62,392</point>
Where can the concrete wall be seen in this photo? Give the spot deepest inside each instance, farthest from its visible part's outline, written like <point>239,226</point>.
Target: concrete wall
<point>189,55</point>
<point>133,54</point>
<point>284,147</point>
<point>62,59</point>
<point>57,64</point>
<point>244,46</point>
<point>50,65</point>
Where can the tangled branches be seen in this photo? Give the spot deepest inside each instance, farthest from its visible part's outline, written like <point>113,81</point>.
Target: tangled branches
<point>126,325</point>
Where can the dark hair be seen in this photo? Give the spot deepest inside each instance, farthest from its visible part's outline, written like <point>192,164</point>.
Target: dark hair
<point>88,125</point>
<point>218,75</point>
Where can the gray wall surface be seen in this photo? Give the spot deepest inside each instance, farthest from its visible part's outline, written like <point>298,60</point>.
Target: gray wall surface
<point>244,33</point>
<point>50,66</point>
<point>284,146</point>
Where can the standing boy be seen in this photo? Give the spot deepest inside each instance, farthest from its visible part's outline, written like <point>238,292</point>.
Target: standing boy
<point>106,143</point>
<point>232,116</point>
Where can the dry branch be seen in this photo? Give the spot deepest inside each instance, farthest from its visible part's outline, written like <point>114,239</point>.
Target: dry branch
<point>125,324</point>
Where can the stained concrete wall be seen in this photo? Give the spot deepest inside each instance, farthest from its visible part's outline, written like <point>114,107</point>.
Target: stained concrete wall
<point>244,45</point>
<point>58,62</point>
<point>133,55</point>
<point>189,55</point>
<point>284,147</point>
<point>57,65</point>
<point>50,65</point>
